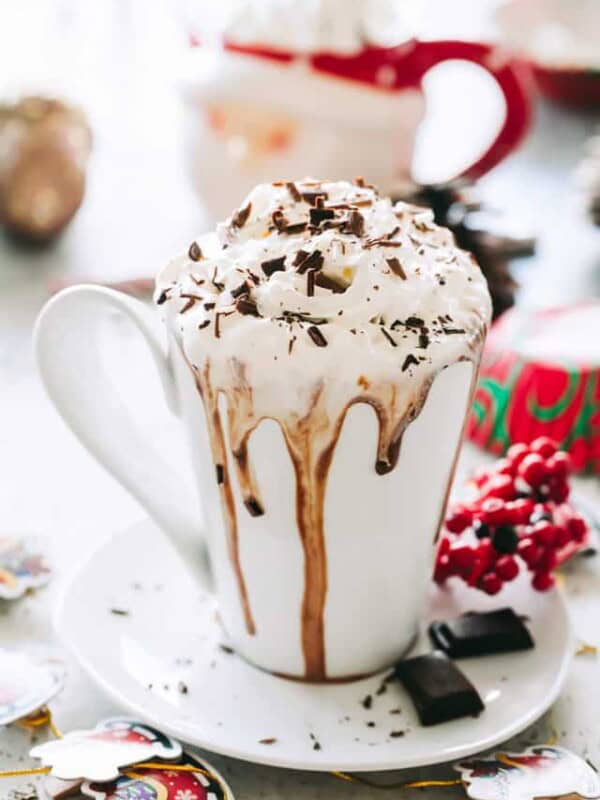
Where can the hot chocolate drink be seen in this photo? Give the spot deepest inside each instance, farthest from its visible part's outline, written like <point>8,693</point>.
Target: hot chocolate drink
<point>331,340</point>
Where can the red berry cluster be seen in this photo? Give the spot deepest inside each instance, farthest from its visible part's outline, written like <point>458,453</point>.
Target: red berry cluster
<point>519,518</point>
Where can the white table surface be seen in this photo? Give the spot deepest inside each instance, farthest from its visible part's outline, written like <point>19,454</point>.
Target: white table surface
<point>138,211</point>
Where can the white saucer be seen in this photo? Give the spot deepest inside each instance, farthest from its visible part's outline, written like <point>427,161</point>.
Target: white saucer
<point>171,635</point>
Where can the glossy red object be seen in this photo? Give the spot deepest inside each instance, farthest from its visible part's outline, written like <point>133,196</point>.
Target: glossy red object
<point>507,568</point>
<point>533,469</point>
<point>392,69</point>
<point>542,581</point>
<point>491,583</point>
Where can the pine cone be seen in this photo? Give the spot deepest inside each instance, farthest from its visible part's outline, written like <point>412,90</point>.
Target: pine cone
<point>478,230</point>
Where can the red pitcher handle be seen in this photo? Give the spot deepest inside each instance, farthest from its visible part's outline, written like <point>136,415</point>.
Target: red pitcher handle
<point>513,78</point>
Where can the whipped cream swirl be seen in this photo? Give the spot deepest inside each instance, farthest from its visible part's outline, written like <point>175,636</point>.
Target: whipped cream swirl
<point>316,278</point>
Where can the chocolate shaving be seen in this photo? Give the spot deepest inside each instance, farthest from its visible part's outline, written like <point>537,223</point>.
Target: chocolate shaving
<point>381,243</point>
<point>191,301</point>
<point>195,253</point>
<point>162,297</point>
<point>312,197</point>
<point>220,473</point>
<point>293,190</point>
<point>327,282</point>
<point>409,361</point>
<point>423,340</point>
<point>209,306</point>
<point>295,227</point>
<point>397,734</point>
<point>217,284</point>
<point>451,331</point>
<point>310,283</point>
<point>316,335</point>
<point>356,223</point>
<point>204,324</point>
<point>240,218</point>
<point>254,507</point>
<point>247,306</point>
<point>396,267</point>
<point>279,220</point>
<point>305,262</point>
<point>389,338</point>
<point>299,258</point>
<point>198,281</point>
<point>273,265</point>
<point>119,612</point>
<point>269,740</point>
<point>414,322</point>
<point>243,288</point>
<point>367,702</point>
<point>319,215</point>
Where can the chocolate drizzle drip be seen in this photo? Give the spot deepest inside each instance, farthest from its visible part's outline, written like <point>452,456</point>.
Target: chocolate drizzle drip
<point>210,399</point>
<point>311,438</point>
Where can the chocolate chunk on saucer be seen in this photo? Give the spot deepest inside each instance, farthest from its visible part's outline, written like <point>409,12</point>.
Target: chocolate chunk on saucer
<point>439,690</point>
<point>475,634</point>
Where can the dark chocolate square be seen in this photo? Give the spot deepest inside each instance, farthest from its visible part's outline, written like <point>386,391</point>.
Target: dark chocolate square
<point>439,690</point>
<point>476,634</point>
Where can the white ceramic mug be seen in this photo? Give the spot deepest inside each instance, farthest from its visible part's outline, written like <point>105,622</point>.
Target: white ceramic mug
<point>379,529</point>
<point>255,114</point>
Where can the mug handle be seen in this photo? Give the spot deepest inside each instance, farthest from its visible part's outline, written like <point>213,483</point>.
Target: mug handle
<point>68,351</point>
<point>511,75</point>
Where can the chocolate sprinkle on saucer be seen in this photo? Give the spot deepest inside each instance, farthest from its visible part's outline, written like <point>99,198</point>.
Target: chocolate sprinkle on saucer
<point>240,218</point>
<point>162,297</point>
<point>195,253</point>
<point>316,335</point>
